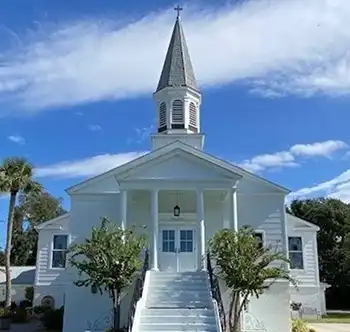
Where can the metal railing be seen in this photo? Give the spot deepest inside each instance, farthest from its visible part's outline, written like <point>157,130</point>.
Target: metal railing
<point>137,291</point>
<point>215,290</point>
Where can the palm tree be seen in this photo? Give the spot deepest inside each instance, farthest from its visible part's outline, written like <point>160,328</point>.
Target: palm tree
<point>16,176</point>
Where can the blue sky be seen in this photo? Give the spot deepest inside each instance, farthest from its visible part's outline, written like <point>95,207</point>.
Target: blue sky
<point>76,83</point>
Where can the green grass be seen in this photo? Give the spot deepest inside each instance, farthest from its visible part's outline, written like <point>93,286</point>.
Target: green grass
<point>332,318</point>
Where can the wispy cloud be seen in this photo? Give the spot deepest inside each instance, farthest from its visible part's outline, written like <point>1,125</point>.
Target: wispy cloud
<point>94,127</point>
<point>98,164</point>
<point>304,49</point>
<point>141,134</point>
<point>289,158</point>
<point>86,167</point>
<point>338,187</point>
<point>326,148</point>
<point>16,139</point>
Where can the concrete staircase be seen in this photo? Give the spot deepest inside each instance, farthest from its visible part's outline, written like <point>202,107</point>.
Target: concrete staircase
<point>177,302</point>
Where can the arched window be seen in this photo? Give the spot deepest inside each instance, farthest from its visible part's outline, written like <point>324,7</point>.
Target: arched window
<point>178,111</point>
<point>193,115</point>
<point>162,115</point>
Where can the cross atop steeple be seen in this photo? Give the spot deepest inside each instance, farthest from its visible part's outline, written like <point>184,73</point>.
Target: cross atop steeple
<point>178,9</point>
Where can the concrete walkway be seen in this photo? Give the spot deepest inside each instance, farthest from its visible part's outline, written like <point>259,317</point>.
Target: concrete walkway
<point>323,327</point>
<point>28,327</point>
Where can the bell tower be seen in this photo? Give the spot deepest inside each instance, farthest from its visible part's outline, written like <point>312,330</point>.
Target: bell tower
<point>177,97</point>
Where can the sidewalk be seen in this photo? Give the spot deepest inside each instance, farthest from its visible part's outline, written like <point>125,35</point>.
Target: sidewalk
<point>323,327</point>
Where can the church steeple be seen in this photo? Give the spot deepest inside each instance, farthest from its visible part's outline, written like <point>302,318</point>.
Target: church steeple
<point>177,69</point>
<point>177,96</point>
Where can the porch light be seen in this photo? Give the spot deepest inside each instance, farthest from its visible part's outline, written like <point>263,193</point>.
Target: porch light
<point>176,211</point>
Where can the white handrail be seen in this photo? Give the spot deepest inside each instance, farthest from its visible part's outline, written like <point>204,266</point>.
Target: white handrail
<point>141,303</point>
<point>217,316</point>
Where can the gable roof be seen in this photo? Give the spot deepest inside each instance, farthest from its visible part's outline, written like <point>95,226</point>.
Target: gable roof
<point>48,222</point>
<point>306,224</point>
<point>173,146</point>
<point>20,275</point>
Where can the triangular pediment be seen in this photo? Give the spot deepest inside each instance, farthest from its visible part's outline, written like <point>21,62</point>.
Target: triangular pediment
<point>295,222</point>
<point>178,157</point>
<point>178,165</point>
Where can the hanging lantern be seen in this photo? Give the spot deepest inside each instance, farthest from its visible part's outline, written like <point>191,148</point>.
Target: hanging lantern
<point>176,211</point>
<point>93,288</point>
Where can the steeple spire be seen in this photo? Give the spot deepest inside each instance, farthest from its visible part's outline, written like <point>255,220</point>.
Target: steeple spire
<point>177,69</point>
<point>177,97</point>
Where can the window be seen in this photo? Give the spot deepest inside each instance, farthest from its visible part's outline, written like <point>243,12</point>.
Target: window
<point>59,251</point>
<point>186,241</point>
<point>295,248</point>
<point>178,111</point>
<point>168,240</point>
<point>162,115</point>
<point>259,238</point>
<point>193,115</point>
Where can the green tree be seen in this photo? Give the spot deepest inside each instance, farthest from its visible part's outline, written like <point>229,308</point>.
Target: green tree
<point>16,176</point>
<point>333,218</point>
<point>245,267</point>
<point>108,260</point>
<point>36,209</point>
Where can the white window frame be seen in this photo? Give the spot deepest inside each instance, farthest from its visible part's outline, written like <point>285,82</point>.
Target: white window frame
<point>296,251</point>
<point>53,249</point>
<point>262,232</point>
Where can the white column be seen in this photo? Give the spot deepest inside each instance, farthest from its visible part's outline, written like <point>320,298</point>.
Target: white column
<point>201,229</point>
<point>154,216</point>
<point>123,208</point>
<point>232,205</point>
<point>235,215</point>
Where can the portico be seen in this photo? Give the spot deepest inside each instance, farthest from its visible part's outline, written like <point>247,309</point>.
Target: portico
<point>178,242</point>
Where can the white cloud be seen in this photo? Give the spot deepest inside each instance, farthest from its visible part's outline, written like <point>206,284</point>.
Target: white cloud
<point>16,139</point>
<point>265,161</point>
<point>94,127</point>
<point>288,158</point>
<point>86,167</point>
<point>278,47</point>
<point>325,148</point>
<point>338,187</point>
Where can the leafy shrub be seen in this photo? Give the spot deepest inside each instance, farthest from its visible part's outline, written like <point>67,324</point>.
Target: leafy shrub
<point>299,326</point>
<point>38,309</point>
<point>13,305</point>
<point>6,313</point>
<point>20,315</point>
<point>25,304</point>
<point>29,294</point>
<point>53,318</point>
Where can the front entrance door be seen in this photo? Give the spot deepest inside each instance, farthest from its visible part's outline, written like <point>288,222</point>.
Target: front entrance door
<point>177,251</point>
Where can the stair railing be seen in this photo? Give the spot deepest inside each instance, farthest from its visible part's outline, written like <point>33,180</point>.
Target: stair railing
<point>215,290</point>
<point>137,294</point>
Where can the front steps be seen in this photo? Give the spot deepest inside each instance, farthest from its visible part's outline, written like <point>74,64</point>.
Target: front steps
<point>178,302</point>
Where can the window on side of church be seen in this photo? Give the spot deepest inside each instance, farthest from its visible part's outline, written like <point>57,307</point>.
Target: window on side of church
<point>193,115</point>
<point>178,111</point>
<point>259,238</point>
<point>295,248</point>
<point>59,251</point>
<point>162,115</point>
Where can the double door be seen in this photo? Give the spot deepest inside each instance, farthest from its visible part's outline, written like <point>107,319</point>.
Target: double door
<point>178,249</point>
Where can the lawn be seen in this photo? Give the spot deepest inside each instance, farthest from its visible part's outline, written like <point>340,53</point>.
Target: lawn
<point>340,318</point>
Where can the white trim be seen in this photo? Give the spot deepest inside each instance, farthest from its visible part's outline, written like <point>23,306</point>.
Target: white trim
<point>263,233</point>
<point>54,220</point>
<point>304,269</point>
<point>238,171</point>
<point>50,267</point>
<point>308,224</point>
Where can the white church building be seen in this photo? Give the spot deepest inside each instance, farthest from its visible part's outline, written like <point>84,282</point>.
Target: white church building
<point>180,196</point>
